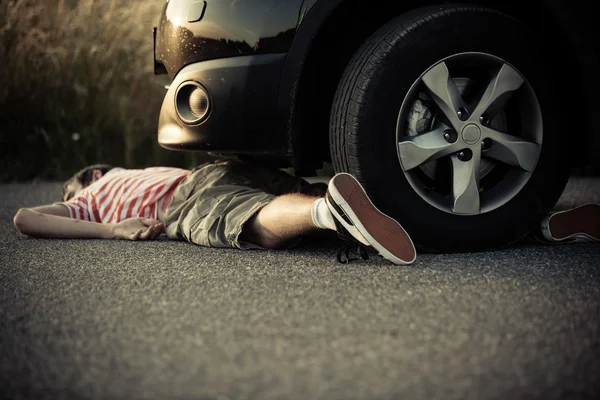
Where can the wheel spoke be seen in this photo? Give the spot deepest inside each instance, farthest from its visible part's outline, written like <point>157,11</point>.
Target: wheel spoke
<point>500,89</point>
<point>465,184</point>
<point>444,92</point>
<point>420,149</point>
<point>512,150</point>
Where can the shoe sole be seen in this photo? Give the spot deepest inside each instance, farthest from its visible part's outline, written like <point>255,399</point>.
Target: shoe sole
<point>581,220</point>
<point>384,233</point>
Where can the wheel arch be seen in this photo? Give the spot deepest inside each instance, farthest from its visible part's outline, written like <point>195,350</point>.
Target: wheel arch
<point>330,31</point>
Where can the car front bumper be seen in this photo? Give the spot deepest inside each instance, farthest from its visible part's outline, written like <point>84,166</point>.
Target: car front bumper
<point>242,95</point>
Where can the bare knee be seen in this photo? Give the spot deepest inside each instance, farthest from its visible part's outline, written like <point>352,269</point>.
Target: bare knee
<point>254,232</point>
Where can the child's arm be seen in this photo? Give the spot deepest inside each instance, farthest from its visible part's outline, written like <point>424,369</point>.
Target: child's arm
<point>54,222</point>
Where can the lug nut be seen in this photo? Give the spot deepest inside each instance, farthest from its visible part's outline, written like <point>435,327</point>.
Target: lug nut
<point>449,136</point>
<point>486,144</point>
<point>463,115</point>
<point>464,155</point>
<point>484,119</point>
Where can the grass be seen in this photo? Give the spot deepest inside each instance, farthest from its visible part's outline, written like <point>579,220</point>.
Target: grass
<point>77,87</point>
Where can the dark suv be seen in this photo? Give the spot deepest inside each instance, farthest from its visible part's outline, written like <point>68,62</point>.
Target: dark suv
<point>462,121</point>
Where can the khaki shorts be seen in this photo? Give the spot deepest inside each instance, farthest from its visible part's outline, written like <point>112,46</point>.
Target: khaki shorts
<point>212,204</point>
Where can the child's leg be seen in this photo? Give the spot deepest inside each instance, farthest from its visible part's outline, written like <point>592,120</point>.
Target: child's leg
<point>218,206</point>
<point>284,219</point>
<point>223,204</point>
<point>345,209</point>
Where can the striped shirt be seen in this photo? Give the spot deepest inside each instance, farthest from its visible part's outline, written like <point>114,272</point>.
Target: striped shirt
<point>125,193</point>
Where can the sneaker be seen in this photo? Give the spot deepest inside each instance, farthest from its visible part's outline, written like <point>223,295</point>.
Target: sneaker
<point>580,224</point>
<point>360,219</point>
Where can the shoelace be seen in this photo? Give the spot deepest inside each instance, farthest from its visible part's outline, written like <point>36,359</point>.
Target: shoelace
<point>347,249</point>
<point>343,254</point>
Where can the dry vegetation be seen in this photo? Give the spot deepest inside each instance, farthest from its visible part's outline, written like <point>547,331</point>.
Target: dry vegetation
<point>77,87</point>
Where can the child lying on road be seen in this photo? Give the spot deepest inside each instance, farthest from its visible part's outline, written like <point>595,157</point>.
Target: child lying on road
<point>231,204</point>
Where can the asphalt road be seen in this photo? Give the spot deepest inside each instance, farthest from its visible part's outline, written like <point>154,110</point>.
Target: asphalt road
<point>170,320</point>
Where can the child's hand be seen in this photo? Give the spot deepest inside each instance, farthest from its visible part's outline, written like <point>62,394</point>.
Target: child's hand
<point>137,229</point>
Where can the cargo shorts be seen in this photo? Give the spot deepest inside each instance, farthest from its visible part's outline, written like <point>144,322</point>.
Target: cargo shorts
<point>212,204</point>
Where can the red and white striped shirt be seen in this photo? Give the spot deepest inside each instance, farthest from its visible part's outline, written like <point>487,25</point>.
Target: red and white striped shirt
<point>125,193</point>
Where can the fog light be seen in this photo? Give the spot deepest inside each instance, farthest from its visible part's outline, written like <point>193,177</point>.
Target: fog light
<point>192,103</point>
<point>199,102</point>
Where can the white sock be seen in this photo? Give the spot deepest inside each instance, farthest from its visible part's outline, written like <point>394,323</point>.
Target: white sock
<point>321,216</point>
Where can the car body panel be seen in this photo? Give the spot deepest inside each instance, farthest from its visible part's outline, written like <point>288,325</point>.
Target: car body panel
<point>243,103</point>
<point>228,28</point>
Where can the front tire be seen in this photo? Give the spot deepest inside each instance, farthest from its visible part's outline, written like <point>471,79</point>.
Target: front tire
<point>428,73</point>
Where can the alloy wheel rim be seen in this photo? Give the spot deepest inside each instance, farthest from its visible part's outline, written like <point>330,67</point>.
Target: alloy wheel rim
<point>495,128</point>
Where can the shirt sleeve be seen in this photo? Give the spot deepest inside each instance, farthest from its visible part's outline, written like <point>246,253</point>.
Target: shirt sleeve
<point>79,206</point>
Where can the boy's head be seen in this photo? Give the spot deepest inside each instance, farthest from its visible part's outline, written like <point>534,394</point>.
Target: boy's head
<point>82,179</point>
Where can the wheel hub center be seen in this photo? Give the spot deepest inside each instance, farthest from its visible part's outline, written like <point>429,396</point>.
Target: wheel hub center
<point>471,134</point>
